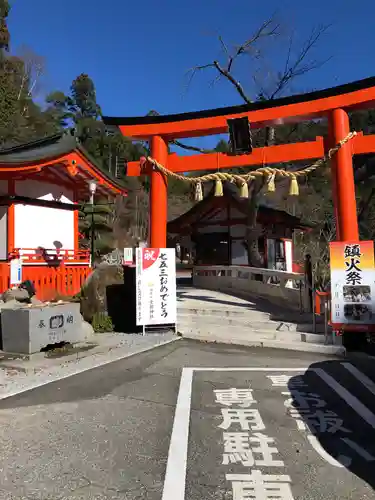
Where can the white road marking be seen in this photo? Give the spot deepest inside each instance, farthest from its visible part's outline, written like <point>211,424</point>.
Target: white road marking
<point>326,456</point>
<point>361,451</point>
<point>367,382</point>
<point>347,396</point>
<point>175,476</point>
<point>257,369</point>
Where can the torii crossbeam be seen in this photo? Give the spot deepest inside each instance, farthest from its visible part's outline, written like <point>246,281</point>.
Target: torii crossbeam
<point>333,103</point>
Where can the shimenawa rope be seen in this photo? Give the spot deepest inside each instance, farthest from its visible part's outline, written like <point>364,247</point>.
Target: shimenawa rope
<point>242,180</point>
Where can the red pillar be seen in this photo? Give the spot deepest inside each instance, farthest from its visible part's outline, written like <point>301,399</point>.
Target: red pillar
<point>11,217</point>
<point>158,196</point>
<point>343,188</point>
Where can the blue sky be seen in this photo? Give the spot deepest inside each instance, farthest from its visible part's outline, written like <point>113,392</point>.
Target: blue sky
<point>138,53</point>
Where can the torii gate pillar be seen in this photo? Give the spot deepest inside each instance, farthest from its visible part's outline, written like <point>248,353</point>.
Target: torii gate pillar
<point>343,188</point>
<point>158,195</point>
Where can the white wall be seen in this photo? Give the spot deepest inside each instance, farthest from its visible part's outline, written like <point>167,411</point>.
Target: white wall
<point>40,226</point>
<point>3,223</point>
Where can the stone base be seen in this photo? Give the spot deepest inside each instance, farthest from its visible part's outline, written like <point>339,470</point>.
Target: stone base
<point>29,329</point>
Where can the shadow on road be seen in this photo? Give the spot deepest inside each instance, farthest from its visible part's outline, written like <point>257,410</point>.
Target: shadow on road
<point>336,413</point>
<point>92,384</point>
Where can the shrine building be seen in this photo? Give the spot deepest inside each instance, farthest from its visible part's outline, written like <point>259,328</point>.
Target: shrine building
<point>41,186</point>
<point>214,231</point>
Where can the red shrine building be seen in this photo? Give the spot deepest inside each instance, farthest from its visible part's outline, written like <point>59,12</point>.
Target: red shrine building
<point>41,186</point>
<point>214,231</point>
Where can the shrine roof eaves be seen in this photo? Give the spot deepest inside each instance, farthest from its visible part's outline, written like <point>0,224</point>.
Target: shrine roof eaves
<point>243,108</point>
<point>200,209</point>
<point>51,148</point>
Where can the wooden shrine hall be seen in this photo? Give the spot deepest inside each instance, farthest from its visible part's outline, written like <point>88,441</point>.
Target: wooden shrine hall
<point>213,231</point>
<point>41,186</point>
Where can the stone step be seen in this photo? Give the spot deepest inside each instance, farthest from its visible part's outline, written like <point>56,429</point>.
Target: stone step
<point>257,341</point>
<point>282,316</point>
<point>221,313</point>
<point>251,332</point>
<point>257,322</point>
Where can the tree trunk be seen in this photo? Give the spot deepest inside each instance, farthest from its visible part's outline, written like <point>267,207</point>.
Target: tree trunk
<point>252,232</point>
<point>255,259</point>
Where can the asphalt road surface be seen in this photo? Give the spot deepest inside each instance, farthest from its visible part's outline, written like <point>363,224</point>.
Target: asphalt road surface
<point>191,421</point>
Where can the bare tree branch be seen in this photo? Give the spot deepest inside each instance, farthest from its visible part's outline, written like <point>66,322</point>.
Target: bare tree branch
<point>192,148</point>
<point>226,73</point>
<point>301,65</point>
<point>268,29</point>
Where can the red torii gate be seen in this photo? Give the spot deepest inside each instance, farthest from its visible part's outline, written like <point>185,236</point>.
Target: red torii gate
<point>333,104</point>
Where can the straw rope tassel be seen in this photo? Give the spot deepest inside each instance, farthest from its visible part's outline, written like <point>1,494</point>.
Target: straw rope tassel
<point>294,188</point>
<point>244,190</point>
<point>218,188</point>
<point>271,183</point>
<point>198,196</point>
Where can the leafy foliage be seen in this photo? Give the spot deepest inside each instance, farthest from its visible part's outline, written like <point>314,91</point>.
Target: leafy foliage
<point>102,323</point>
<point>95,220</point>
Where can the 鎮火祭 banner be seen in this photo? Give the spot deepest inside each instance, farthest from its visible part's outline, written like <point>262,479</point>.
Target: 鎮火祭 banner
<point>353,285</point>
<point>156,286</point>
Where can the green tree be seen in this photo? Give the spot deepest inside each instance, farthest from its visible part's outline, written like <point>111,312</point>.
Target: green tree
<point>21,119</point>
<point>4,33</point>
<point>95,222</point>
<point>81,111</point>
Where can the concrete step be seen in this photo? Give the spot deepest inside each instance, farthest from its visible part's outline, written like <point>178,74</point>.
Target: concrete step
<point>218,311</point>
<point>282,316</point>
<point>222,313</point>
<point>249,331</point>
<point>256,321</point>
<point>256,341</point>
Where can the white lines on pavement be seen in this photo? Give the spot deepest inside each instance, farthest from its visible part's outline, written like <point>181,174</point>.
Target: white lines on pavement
<point>253,369</point>
<point>361,451</point>
<point>348,397</point>
<point>368,383</point>
<point>175,476</point>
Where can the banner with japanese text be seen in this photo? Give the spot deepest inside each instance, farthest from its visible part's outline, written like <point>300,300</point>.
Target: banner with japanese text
<point>353,285</point>
<point>156,286</point>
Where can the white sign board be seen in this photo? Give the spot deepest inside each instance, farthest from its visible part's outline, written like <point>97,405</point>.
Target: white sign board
<point>353,285</point>
<point>128,256</point>
<point>156,286</point>
<point>15,271</point>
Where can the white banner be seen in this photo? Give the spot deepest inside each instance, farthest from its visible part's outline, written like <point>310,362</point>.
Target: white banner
<point>353,285</point>
<point>15,271</point>
<point>128,256</point>
<point>156,286</point>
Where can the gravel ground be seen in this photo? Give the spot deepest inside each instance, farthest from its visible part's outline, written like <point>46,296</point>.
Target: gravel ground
<point>114,347</point>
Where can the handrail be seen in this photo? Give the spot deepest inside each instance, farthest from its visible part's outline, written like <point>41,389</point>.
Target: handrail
<point>49,255</point>
<point>197,270</point>
<point>282,287</point>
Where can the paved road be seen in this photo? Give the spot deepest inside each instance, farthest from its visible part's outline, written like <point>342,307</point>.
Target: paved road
<point>249,424</point>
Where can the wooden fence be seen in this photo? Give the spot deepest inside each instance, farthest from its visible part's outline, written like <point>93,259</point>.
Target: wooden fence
<point>49,282</point>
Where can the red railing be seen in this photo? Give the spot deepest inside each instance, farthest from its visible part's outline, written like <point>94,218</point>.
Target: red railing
<point>49,282</point>
<point>50,256</point>
<point>321,299</point>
